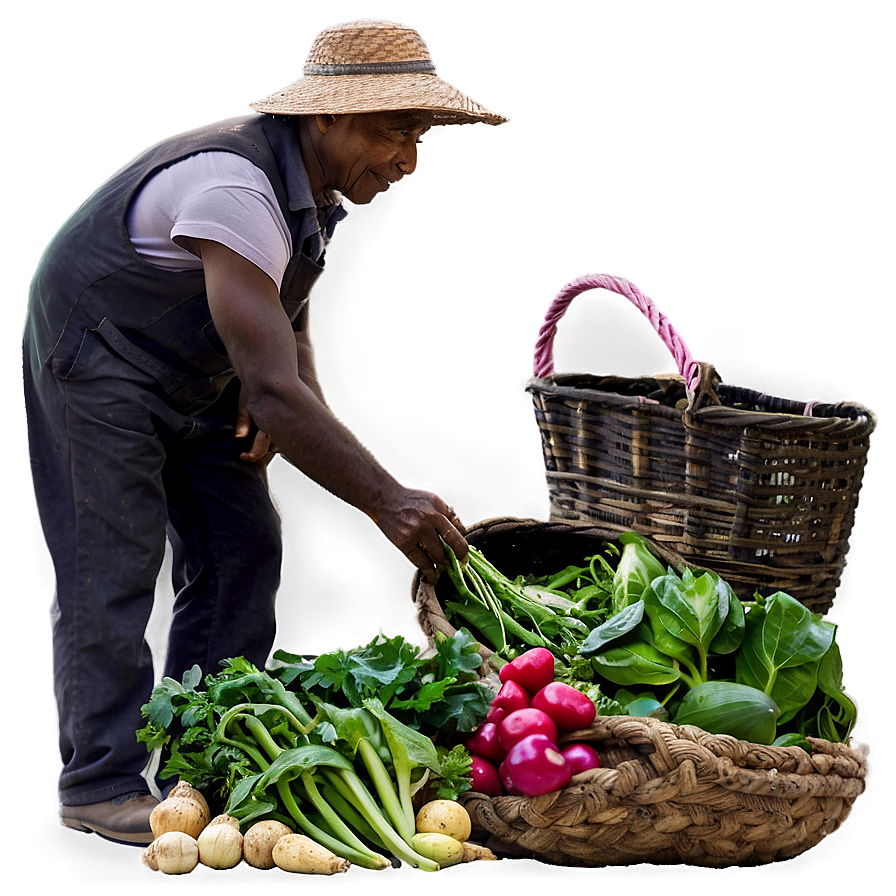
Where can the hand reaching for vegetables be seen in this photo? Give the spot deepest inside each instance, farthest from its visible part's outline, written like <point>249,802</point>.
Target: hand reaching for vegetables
<point>417,523</point>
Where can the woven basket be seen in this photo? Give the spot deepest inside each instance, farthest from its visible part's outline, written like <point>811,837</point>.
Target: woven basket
<point>665,793</point>
<point>669,794</point>
<point>761,490</point>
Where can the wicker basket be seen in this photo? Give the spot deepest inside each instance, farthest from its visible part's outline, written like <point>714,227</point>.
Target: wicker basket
<point>677,795</point>
<point>665,793</point>
<point>762,490</point>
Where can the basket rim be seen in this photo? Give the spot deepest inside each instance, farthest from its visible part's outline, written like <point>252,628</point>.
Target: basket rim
<point>826,416</point>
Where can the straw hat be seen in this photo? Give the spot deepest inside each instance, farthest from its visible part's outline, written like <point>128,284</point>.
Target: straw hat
<point>371,65</point>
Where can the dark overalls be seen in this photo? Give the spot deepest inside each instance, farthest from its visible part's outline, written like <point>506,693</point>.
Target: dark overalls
<point>132,403</point>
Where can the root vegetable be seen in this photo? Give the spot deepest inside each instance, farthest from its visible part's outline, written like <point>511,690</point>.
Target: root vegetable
<point>444,817</point>
<point>484,777</point>
<point>301,854</point>
<point>221,843</point>
<point>182,789</point>
<point>259,842</point>
<point>442,849</point>
<point>172,852</point>
<point>474,852</point>
<point>184,810</point>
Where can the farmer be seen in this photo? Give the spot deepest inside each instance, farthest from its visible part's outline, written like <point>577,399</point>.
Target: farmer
<point>167,356</point>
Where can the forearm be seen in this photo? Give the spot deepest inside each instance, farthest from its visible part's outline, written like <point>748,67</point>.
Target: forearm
<point>306,364</point>
<point>314,440</point>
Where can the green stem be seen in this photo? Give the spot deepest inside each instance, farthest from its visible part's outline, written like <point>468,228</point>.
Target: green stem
<point>384,787</point>
<point>350,813</point>
<point>323,837</point>
<point>390,838</point>
<point>337,825</point>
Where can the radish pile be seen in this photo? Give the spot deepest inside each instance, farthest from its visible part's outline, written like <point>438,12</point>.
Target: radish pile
<point>516,749</point>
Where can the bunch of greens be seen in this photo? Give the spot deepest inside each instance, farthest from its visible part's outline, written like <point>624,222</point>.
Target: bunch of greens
<point>511,616</point>
<point>649,640</point>
<point>327,758</point>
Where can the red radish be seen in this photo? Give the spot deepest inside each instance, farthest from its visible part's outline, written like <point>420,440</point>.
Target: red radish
<point>495,715</point>
<point>484,777</point>
<point>534,766</point>
<point>567,706</point>
<point>580,757</point>
<point>517,725</point>
<point>511,697</point>
<point>484,742</point>
<point>532,669</point>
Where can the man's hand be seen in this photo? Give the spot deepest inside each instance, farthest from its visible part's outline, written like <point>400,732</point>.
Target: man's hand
<point>260,451</point>
<point>417,522</point>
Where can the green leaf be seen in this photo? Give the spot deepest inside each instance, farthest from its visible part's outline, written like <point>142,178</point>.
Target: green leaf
<point>692,608</point>
<point>779,635</point>
<point>635,662</point>
<point>615,627</point>
<point>636,569</point>
<point>725,707</point>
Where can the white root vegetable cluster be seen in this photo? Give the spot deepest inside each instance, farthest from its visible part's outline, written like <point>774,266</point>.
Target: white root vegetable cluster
<point>185,835</point>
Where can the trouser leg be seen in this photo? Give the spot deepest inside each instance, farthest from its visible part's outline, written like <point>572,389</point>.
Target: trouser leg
<point>225,536</point>
<point>96,463</point>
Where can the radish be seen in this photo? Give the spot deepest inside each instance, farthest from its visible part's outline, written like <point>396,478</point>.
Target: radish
<point>524,722</point>
<point>567,706</point>
<point>532,669</point>
<point>580,757</point>
<point>534,766</point>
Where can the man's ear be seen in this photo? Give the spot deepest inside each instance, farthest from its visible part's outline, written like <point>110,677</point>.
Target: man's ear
<point>325,122</point>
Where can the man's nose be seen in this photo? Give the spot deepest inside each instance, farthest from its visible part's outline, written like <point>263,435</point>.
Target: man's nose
<point>406,162</point>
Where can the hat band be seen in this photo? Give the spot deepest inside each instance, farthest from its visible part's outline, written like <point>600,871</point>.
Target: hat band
<point>371,68</point>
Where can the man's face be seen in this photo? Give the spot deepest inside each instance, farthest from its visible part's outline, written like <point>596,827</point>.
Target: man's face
<point>363,154</point>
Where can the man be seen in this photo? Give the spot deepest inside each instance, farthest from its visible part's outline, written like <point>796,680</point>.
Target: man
<point>167,355</point>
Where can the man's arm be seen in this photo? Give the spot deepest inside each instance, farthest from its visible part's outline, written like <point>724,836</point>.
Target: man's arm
<point>245,305</point>
<point>305,359</point>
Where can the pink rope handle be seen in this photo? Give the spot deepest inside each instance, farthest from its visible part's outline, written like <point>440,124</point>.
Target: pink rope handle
<point>543,365</point>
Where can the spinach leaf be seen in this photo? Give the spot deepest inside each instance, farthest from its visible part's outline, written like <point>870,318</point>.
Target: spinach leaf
<point>779,634</point>
<point>615,627</point>
<point>635,660</point>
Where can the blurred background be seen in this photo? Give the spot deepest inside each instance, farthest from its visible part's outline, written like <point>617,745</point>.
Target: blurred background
<point>733,160</point>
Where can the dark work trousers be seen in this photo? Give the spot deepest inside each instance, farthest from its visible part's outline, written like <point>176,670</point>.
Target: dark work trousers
<point>116,470</point>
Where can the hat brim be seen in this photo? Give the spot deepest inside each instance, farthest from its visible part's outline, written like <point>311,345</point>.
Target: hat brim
<point>354,94</point>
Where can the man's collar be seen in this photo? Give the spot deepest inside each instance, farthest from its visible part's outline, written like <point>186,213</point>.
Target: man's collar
<point>284,140</point>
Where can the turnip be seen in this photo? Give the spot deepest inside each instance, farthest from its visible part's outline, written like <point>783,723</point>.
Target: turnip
<point>302,855</point>
<point>442,849</point>
<point>221,843</point>
<point>172,852</point>
<point>444,817</point>
<point>259,842</point>
<point>184,810</point>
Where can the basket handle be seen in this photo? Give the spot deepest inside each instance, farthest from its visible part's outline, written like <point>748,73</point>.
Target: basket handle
<point>543,365</point>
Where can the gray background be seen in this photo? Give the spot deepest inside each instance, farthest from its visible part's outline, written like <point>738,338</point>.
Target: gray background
<point>733,160</point>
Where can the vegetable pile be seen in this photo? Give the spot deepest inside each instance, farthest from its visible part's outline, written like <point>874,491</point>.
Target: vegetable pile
<point>515,751</point>
<point>641,639</point>
<point>334,748</point>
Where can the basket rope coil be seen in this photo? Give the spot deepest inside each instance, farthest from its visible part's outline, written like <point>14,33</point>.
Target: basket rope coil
<point>669,794</point>
<point>763,490</point>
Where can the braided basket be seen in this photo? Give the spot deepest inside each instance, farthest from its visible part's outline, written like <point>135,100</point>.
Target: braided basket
<point>665,793</point>
<point>677,795</point>
<point>761,490</point>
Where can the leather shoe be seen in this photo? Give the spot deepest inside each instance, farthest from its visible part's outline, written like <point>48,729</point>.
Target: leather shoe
<point>123,819</point>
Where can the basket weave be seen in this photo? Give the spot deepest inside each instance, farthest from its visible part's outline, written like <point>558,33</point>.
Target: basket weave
<point>665,794</point>
<point>669,794</point>
<point>761,490</point>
